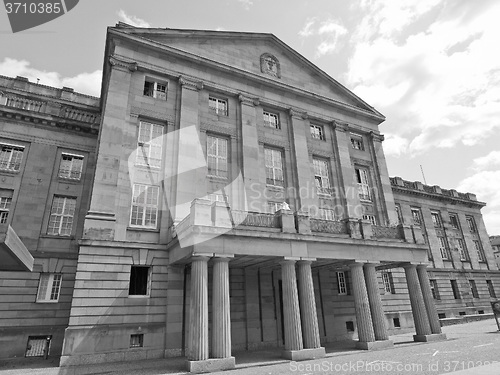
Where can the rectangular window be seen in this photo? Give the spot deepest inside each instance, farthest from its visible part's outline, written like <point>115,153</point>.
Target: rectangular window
<point>271,120</point>
<point>443,248</point>
<point>49,287</point>
<point>61,216</point>
<point>5,203</point>
<point>454,221</point>
<point>137,340</point>
<point>479,251</point>
<point>157,90</point>
<point>274,167</point>
<point>326,214</point>
<point>491,290</point>
<point>217,156</point>
<point>436,218</point>
<point>71,166</point>
<point>399,213</point>
<point>11,157</point>
<point>434,289</point>
<point>388,283</point>
<point>454,288</point>
<point>357,143</point>
<point>317,132</point>
<point>321,176</point>
<point>416,215</point>
<point>342,283</point>
<point>473,289</point>
<point>462,250</point>
<point>214,197</point>
<point>371,218</point>
<point>144,206</point>
<point>363,184</point>
<point>471,224</point>
<point>149,145</point>
<point>139,281</point>
<point>218,106</point>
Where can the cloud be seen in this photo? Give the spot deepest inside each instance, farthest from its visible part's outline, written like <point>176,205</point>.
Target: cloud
<point>85,83</point>
<point>394,145</point>
<point>429,66</point>
<point>132,20</point>
<point>328,34</point>
<point>485,162</point>
<point>246,3</point>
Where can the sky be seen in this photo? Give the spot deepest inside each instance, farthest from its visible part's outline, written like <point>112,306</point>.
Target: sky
<point>432,67</point>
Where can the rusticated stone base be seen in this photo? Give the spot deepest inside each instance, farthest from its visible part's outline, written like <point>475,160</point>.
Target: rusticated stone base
<point>374,345</point>
<point>429,338</point>
<point>211,365</point>
<point>303,354</point>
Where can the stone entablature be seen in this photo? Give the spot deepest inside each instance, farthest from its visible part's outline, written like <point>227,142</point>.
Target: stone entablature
<point>416,187</point>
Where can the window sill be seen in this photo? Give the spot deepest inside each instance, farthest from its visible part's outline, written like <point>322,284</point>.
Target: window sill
<point>275,187</point>
<point>61,236</point>
<point>143,229</point>
<point>147,166</point>
<point>217,178</point>
<point>67,180</point>
<point>134,296</point>
<point>9,172</point>
<point>47,301</point>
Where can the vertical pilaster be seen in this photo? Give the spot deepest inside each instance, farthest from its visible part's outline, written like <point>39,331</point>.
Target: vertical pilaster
<point>308,313</point>
<point>198,310</point>
<point>191,164</point>
<point>293,328</point>
<point>422,326</point>
<point>377,311</point>
<point>361,304</point>
<point>221,320</point>
<point>305,185</point>
<point>432,315</point>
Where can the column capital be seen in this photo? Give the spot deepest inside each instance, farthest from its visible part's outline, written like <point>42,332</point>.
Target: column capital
<point>356,264</point>
<point>248,100</point>
<point>421,266</point>
<point>371,264</point>
<point>377,136</point>
<point>304,262</point>
<point>288,261</point>
<point>409,266</point>
<point>190,84</point>
<point>200,257</point>
<point>340,126</point>
<point>221,258</point>
<point>298,114</point>
<point>130,66</point>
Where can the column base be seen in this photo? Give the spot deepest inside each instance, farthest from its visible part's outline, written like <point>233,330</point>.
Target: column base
<point>210,365</point>
<point>303,354</point>
<point>374,345</point>
<point>429,338</point>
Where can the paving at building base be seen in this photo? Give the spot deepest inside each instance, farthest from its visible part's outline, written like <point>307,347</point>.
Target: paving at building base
<point>471,348</point>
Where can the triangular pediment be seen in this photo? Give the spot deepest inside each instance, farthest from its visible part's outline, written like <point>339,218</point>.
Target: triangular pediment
<point>246,51</point>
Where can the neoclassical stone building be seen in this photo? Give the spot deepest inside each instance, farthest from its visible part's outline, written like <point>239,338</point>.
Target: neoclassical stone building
<point>237,198</point>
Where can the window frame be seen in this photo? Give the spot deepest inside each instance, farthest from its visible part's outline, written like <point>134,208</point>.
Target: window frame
<point>399,213</point>
<point>416,219</point>
<point>491,289</point>
<point>471,223</point>
<point>455,289</point>
<point>8,161</point>
<point>140,340</point>
<point>317,132</point>
<point>267,123</point>
<point>270,155</point>
<point>54,280</point>
<point>388,282</point>
<point>481,256</point>
<point>362,176</point>
<point>436,219</point>
<point>462,250</point>
<point>434,289</point>
<point>145,205</point>
<point>444,248</point>
<point>322,176</point>
<point>371,218</point>
<point>148,281</point>
<point>152,144</point>
<point>221,107</point>
<point>456,220</point>
<point>473,289</point>
<point>326,213</point>
<point>154,92</point>
<point>70,170</point>
<point>357,142</point>
<point>218,159</point>
<point>342,283</point>
<point>50,227</point>
<point>6,196</point>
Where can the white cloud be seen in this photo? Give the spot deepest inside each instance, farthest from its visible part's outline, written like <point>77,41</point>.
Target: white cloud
<point>485,162</point>
<point>132,20</point>
<point>439,81</point>
<point>85,83</point>
<point>329,34</point>
<point>246,3</point>
<point>394,145</point>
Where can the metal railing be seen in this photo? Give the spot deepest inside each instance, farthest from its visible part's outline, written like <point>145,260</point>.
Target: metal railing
<point>328,226</point>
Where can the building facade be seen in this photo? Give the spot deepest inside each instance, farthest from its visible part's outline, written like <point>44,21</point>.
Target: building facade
<point>238,198</point>
<point>495,244</point>
<point>48,138</point>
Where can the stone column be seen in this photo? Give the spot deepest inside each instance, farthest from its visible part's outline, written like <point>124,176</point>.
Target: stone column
<point>362,305</point>
<point>198,310</point>
<point>423,277</point>
<point>422,326</point>
<point>310,327</point>
<point>291,313</point>
<point>221,321</point>
<point>378,316</point>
